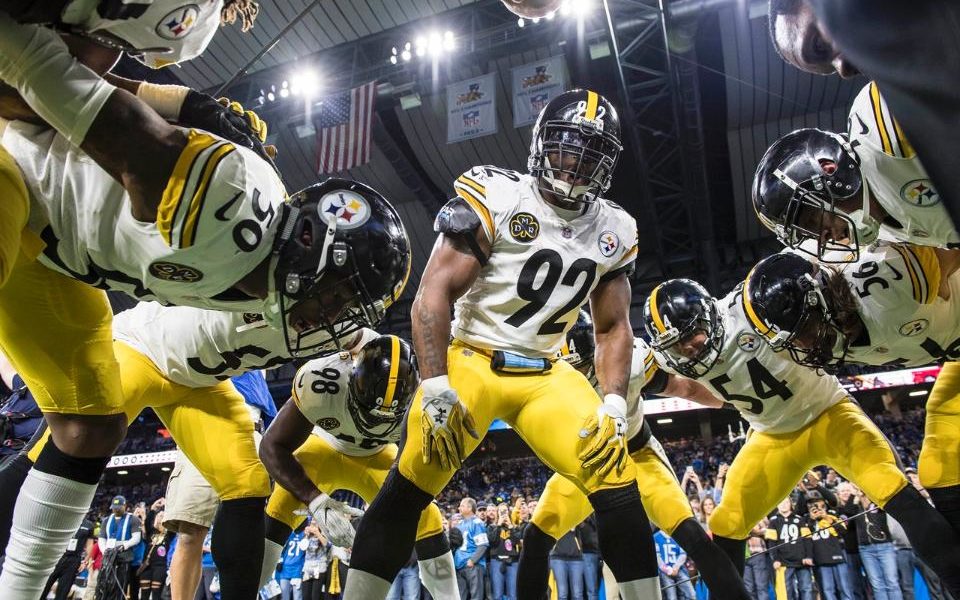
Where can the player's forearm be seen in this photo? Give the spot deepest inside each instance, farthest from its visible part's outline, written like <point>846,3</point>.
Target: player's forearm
<point>613,353</point>
<point>287,472</point>
<point>689,389</point>
<point>430,321</point>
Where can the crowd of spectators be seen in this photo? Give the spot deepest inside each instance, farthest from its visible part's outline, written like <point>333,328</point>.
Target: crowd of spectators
<point>853,546</point>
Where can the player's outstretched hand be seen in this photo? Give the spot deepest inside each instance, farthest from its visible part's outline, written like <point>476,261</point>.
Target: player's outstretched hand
<point>604,437</point>
<point>333,519</point>
<point>443,422</point>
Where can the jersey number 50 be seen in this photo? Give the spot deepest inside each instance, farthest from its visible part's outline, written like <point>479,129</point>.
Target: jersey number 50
<point>537,297</point>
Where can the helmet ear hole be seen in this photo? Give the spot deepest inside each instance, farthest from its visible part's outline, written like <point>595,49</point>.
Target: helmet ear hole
<point>306,233</point>
<point>829,167</point>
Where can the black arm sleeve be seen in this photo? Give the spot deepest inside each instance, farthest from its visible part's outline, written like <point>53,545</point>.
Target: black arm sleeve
<point>457,219</point>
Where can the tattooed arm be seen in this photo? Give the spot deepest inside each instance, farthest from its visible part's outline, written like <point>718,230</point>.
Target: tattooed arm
<point>451,271</point>
<point>610,307</point>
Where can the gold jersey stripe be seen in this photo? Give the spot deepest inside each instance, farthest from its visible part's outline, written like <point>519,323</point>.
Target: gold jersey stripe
<point>197,143</point>
<point>911,272</point>
<point>905,145</point>
<point>592,101</point>
<point>388,396</point>
<point>478,207</point>
<point>878,117</point>
<point>480,189</point>
<point>928,271</point>
<point>189,230</point>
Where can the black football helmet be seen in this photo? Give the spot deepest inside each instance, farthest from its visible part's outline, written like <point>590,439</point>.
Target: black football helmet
<point>677,310</point>
<point>796,189</point>
<point>581,345</point>
<point>785,300</point>
<point>340,244</point>
<point>582,124</point>
<point>382,384</point>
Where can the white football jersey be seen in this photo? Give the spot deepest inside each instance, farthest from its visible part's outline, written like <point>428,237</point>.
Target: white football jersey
<point>773,393</point>
<point>163,32</point>
<point>215,223</point>
<point>907,323</point>
<point>643,370</point>
<point>320,390</point>
<point>543,264</point>
<point>200,348</point>
<point>896,177</point>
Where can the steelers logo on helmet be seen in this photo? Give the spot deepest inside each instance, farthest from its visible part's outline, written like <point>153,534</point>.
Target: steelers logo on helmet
<point>609,243</point>
<point>920,192</point>
<point>178,22</point>
<point>350,209</point>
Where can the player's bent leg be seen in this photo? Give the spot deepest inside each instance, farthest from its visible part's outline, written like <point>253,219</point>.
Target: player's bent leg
<point>861,453</point>
<point>214,429</point>
<point>565,399</point>
<point>669,508</point>
<point>939,465</point>
<point>386,534</point>
<point>763,473</point>
<point>561,507</point>
<point>56,332</point>
<point>185,566</point>
<point>14,210</point>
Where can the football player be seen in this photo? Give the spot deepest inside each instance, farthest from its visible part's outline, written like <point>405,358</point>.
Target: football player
<point>355,409</point>
<point>178,360</point>
<point>799,418</point>
<point>562,506</point>
<point>898,306</point>
<point>815,185</point>
<point>156,32</point>
<point>517,256</point>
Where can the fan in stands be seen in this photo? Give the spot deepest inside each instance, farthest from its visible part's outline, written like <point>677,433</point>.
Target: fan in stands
<point>532,9</point>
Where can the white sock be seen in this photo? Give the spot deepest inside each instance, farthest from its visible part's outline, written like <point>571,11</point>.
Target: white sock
<point>640,589</point>
<point>48,513</point>
<point>439,576</point>
<point>271,556</point>
<point>364,586</point>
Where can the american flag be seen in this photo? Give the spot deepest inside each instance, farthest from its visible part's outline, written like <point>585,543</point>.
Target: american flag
<point>343,129</point>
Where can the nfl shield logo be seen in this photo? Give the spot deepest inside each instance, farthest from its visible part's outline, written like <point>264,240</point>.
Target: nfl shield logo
<point>471,118</point>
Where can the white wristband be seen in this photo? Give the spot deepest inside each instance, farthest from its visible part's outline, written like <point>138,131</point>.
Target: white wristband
<point>167,100</point>
<point>617,402</point>
<point>435,385</point>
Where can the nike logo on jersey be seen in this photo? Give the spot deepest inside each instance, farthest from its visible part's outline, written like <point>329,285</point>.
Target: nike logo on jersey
<point>221,213</point>
<point>864,130</point>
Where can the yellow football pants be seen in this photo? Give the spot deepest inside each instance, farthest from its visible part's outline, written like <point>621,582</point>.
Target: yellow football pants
<point>547,410</point>
<point>211,425</point>
<point>769,465</point>
<point>55,330</point>
<point>940,454</point>
<point>562,506</point>
<point>332,470</point>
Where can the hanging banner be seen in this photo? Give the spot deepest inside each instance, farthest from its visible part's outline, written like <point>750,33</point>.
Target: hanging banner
<point>534,85</point>
<point>471,108</point>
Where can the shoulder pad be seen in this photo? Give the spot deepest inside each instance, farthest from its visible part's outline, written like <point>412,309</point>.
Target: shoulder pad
<point>456,217</point>
<point>871,124</point>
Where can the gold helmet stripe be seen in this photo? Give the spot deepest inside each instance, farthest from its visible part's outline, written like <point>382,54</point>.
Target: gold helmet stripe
<point>388,397</point>
<point>592,101</point>
<point>758,325</point>
<point>655,312</point>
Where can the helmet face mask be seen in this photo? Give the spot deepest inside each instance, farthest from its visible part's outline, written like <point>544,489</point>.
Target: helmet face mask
<point>572,156</point>
<point>384,379</point>
<point>685,327</point>
<point>342,258</point>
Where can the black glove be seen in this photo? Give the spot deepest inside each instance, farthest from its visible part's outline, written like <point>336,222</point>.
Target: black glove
<point>227,120</point>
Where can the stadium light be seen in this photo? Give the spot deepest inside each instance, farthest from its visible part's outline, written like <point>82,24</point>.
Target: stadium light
<point>449,42</point>
<point>521,22</point>
<point>577,8</point>
<point>304,83</point>
<point>919,393</point>
<point>406,56</point>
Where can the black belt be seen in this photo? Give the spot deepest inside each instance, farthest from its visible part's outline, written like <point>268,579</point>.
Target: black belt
<point>640,440</point>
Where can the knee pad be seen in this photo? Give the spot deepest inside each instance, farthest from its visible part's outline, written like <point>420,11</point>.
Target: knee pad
<point>432,547</point>
<point>736,551</point>
<point>536,542</point>
<point>626,538</point>
<point>388,528</point>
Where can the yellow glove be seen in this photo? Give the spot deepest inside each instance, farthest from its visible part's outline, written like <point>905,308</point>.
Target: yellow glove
<point>258,125</point>
<point>604,437</point>
<point>443,422</point>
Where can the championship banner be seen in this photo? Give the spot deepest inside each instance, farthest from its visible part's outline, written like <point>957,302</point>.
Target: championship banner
<point>534,85</point>
<point>471,108</point>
